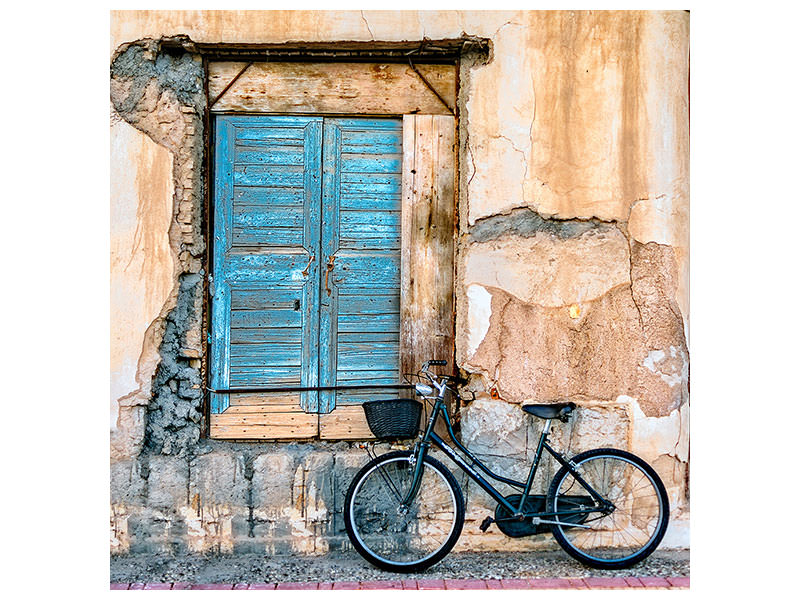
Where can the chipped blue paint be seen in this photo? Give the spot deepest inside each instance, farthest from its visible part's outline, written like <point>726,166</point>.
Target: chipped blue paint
<point>361,202</point>
<point>265,324</point>
<point>294,195</point>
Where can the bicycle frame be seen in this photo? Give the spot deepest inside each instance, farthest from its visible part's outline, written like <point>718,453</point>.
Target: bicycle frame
<point>431,437</point>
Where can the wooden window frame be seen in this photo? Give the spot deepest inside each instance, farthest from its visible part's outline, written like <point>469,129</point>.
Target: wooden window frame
<point>423,96</point>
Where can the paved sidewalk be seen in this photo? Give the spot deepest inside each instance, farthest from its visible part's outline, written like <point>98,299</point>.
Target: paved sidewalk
<point>593,583</point>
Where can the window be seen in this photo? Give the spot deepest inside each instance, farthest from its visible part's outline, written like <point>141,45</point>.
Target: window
<point>332,255</point>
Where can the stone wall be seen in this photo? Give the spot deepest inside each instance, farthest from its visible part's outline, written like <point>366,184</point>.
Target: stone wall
<point>571,269</point>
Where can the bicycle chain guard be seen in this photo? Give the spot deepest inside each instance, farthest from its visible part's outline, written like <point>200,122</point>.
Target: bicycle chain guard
<point>536,503</point>
<point>511,527</point>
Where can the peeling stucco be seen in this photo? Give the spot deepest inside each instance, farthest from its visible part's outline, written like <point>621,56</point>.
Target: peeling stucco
<point>571,269</point>
<point>625,339</point>
<point>141,261</point>
<point>547,270</point>
<point>160,94</point>
<point>478,318</point>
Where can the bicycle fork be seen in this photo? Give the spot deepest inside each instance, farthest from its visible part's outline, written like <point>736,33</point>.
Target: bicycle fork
<point>417,459</point>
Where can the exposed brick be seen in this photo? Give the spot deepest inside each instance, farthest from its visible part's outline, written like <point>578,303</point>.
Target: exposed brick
<point>464,584</point>
<point>605,582</point>
<point>155,585</point>
<point>296,585</point>
<point>119,586</point>
<point>381,585</point>
<point>576,583</point>
<point>409,584</point>
<point>633,582</point>
<point>654,582</point>
<point>679,582</point>
<point>430,584</point>
<point>345,585</point>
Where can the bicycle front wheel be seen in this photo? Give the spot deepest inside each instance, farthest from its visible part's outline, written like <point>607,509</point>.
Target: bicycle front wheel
<point>401,538</point>
<point>623,532</point>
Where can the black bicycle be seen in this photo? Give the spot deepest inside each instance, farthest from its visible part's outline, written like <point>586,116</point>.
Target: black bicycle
<point>404,510</point>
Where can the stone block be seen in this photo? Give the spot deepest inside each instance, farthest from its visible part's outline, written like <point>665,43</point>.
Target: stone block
<point>310,513</point>
<point>346,464</point>
<point>218,478</point>
<point>494,427</point>
<point>127,483</point>
<point>273,475</point>
<point>593,426</point>
<point>153,531</point>
<point>167,482</point>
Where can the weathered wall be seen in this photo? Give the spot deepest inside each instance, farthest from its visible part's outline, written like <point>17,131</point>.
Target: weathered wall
<point>571,270</point>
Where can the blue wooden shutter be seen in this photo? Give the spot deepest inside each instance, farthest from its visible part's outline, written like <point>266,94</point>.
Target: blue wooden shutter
<point>265,276</point>
<point>360,263</point>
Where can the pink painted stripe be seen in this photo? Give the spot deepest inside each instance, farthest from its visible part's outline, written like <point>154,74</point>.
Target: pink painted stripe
<point>291,585</point>
<point>464,584</point>
<point>599,583</point>
<point>654,582</point>
<point>181,585</point>
<point>549,583</point>
<point>594,583</point>
<point>345,585</point>
<point>381,585</point>
<point>430,584</point>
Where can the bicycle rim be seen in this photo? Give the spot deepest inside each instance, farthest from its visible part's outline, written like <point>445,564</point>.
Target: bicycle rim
<point>398,536</point>
<point>631,530</point>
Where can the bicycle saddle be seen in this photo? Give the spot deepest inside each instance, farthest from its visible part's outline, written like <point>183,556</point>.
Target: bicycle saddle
<point>549,411</point>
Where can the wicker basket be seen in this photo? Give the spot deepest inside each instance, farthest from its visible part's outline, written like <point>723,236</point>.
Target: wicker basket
<point>393,419</point>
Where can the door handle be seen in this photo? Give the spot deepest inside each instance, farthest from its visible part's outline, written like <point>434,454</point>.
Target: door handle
<point>331,258</point>
<point>308,266</point>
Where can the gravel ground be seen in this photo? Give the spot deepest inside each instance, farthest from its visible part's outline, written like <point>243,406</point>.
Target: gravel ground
<point>350,567</point>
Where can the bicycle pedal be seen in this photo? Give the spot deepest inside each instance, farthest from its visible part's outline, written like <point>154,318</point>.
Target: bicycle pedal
<point>485,525</point>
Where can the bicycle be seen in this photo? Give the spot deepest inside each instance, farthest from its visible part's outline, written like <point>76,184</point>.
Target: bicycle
<point>404,510</point>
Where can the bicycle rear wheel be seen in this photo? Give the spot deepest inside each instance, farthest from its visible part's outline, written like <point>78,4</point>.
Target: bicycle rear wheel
<point>624,533</point>
<point>398,538</point>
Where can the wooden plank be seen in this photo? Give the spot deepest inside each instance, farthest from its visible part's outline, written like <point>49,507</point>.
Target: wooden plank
<point>272,423</point>
<point>262,408</point>
<point>284,399</point>
<point>333,88</point>
<point>220,305</point>
<point>345,422</point>
<point>427,330</point>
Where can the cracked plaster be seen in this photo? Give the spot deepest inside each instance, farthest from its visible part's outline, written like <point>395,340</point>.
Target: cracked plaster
<point>579,127</point>
<point>626,338</point>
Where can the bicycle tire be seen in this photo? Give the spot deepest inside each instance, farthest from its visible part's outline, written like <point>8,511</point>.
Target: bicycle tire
<point>410,542</point>
<point>624,536</point>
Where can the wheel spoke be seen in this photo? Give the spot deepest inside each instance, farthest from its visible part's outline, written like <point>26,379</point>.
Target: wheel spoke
<point>635,525</point>
<point>396,537</point>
